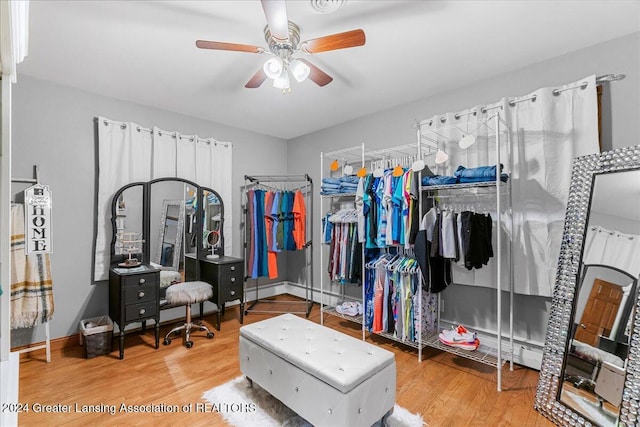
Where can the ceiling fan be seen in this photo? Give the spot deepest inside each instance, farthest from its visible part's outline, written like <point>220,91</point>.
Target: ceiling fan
<point>283,38</point>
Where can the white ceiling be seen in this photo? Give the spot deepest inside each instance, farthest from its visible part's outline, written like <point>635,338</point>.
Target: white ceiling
<point>144,52</point>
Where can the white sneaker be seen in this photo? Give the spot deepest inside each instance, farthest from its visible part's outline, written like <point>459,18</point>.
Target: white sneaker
<point>349,308</point>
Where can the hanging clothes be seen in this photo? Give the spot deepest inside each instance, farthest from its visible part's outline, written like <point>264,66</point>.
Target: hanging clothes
<point>392,304</point>
<point>276,221</point>
<point>299,220</point>
<point>476,239</point>
<point>345,253</point>
<point>436,270</point>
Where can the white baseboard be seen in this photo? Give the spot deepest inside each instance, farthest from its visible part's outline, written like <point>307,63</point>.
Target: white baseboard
<point>9,372</point>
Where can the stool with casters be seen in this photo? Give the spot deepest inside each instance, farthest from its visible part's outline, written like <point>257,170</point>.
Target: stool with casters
<point>188,293</point>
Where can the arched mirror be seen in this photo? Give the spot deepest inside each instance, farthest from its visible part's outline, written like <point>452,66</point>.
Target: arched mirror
<point>589,373</point>
<point>171,218</point>
<point>212,221</point>
<point>127,245</point>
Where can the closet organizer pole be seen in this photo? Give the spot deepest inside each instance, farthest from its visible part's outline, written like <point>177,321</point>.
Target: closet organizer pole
<point>321,243</point>
<point>363,274</point>
<point>499,257</point>
<point>420,290</point>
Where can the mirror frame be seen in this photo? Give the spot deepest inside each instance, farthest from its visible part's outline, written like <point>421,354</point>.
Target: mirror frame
<point>201,252</point>
<point>547,400</point>
<point>177,244</point>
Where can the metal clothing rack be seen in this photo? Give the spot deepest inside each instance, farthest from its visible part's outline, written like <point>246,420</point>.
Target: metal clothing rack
<point>499,189</point>
<point>47,342</point>
<point>356,156</point>
<point>303,183</point>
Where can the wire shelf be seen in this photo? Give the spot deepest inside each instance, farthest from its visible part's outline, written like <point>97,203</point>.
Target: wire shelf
<point>483,354</point>
<point>332,311</point>
<point>331,196</point>
<point>487,184</point>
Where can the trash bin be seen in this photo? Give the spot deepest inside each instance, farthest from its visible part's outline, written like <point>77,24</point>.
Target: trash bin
<point>96,334</point>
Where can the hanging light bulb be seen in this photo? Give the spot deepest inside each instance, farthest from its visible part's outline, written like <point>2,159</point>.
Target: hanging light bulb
<point>282,81</point>
<point>273,67</point>
<point>299,70</point>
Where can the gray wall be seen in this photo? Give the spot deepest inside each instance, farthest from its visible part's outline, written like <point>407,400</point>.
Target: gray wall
<point>471,305</point>
<point>53,127</point>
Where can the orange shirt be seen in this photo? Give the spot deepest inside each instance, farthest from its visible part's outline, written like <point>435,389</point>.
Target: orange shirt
<point>299,220</point>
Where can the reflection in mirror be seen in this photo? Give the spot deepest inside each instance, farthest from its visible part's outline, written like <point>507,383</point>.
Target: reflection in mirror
<point>595,361</point>
<point>128,225</point>
<point>167,216</point>
<point>171,234</point>
<point>212,221</point>
<point>589,373</point>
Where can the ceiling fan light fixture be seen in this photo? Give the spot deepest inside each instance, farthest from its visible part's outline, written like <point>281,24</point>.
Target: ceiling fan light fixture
<point>299,70</point>
<point>282,81</point>
<point>274,67</point>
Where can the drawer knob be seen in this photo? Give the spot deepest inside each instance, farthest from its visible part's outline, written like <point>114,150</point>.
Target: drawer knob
<point>233,279</point>
<point>232,293</point>
<point>141,281</point>
<point>140,294</point>
<point>142,311</point>
<point>233,268</point>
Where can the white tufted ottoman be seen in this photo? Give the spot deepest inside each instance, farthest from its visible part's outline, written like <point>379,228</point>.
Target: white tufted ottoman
<point>325,376</point>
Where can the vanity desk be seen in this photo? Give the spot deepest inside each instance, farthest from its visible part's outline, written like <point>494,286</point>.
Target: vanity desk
<point>134,296</point>
<point>225,274</point>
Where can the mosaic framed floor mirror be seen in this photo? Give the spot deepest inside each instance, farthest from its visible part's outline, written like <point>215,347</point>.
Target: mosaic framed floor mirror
<point>590,374</point>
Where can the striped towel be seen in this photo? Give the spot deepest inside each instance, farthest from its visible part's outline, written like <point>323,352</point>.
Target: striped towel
<point>31,284</point>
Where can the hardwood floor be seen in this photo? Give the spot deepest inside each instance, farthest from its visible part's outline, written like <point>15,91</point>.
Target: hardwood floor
<point>445,389</point>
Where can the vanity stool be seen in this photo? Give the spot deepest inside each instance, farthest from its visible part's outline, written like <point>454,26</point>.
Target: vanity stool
<point>325,376</point>
<point>188,293</point>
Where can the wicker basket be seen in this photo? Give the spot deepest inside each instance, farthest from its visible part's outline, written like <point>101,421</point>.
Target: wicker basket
<point>96,334</point>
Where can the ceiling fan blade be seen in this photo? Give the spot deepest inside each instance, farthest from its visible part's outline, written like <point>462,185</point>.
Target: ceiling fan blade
<point>335,41</point>
<point>204,44</point>
<point>317,75</point>
<point>276,13</point>
<point>258,78</point>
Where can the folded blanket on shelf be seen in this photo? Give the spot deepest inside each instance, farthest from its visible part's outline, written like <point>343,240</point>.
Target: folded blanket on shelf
<point>31,284</point>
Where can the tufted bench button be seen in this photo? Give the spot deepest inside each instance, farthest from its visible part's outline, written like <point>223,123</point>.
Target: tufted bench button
<point>296,389</point>
<point>270,372</point>
<point>359,410</point>
<point>386,389</point>
<point>330,411</point>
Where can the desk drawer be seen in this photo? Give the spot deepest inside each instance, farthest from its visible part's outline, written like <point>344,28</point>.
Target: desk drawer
<point>140,279</point>
<point>140,293</point>
<point>143,310</point>
<point>230,292</point>
<point>231,274</point>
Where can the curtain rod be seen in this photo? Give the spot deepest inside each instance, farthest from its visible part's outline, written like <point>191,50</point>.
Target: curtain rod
<point>278,178</point>
<point>172,134</point>
<point>600,80</point>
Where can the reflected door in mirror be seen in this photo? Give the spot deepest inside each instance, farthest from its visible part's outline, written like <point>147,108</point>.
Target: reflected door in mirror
<point>600,313</point>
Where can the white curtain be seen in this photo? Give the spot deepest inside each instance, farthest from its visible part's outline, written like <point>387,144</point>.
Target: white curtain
<point>124,156</point>
<point>545,133</point>
<point>129,153</point>
<point>611,247</point>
